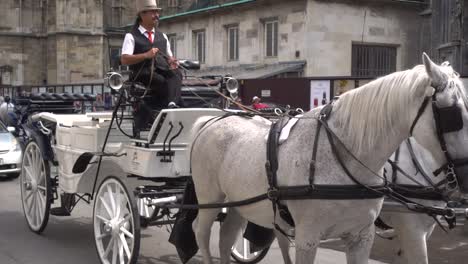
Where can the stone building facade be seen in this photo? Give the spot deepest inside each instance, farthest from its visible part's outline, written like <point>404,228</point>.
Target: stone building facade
<point>324,34</point>
<point>76,41</point>
<point>52,41</point>
<point>445,32</point>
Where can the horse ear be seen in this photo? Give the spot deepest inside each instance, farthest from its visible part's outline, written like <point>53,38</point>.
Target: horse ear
<point>433,70</point>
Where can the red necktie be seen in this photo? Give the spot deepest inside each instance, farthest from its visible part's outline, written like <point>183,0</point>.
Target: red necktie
<point>150,37</point>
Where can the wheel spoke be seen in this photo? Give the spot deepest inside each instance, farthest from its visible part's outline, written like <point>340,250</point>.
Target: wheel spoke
<point>126,232</point>
<point>126,218</point>
<point>29,201</point>
<point>111,198</point>
<point>117,202</point>
<point>106,206</point>
<point>125,245</point>
<point>33,202</point>
<point>32,154</point>
<point>41,188</point>
<point>27,159</point>
<point>37,160</point>
<point>103,219</point>
<point>41,177</point>
<point>114,251</point>
<point>38,210</point>
<point>29,173</point>
<point>121,254</point>
<point>28,195</point>
<point>109,246</point>
<point>103,235</point>
<point>41,206</point>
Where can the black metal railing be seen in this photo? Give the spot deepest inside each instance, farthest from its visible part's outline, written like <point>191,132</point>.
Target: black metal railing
<point>89,88</point>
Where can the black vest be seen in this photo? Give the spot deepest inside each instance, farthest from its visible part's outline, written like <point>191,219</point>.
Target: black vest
<point>142,45</point>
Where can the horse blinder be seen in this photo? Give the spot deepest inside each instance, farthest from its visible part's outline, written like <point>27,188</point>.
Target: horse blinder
<point>449,119</point>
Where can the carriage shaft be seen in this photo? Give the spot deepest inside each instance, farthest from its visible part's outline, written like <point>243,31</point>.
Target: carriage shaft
<point>395,207</point>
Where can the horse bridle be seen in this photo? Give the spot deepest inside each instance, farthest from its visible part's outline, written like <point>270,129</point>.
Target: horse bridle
<point>447,119</point>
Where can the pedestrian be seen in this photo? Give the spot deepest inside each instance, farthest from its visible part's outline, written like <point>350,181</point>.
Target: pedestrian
<point>98,105</point>
<point>257,105</point>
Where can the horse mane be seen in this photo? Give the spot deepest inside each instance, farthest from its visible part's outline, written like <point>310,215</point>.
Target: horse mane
<point>369,114</point>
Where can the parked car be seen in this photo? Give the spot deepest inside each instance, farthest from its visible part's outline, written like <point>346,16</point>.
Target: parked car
<point>10,153</point>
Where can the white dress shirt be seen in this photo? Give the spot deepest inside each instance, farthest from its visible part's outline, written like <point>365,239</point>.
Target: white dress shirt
<point>129,42</point>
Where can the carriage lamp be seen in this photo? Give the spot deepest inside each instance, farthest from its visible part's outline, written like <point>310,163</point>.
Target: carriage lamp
<point>114,80</point>
<point>232,85</point>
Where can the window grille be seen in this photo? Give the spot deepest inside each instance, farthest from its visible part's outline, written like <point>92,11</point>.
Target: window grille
<point>373,60</point>
<point>172,3</point>
<point>117,10</point>
<point>233,43</point>
<point>173,43</point>
<point>271,38</point>
<point>115,57</point>
<point>199,47</point>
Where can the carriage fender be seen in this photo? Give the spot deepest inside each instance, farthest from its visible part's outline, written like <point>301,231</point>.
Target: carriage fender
<point>42,141</point>
<point>110,166</point>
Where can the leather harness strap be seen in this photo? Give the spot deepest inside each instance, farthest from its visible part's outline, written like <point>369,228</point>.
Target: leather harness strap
<point>419,114</point>
<point>335,192</point>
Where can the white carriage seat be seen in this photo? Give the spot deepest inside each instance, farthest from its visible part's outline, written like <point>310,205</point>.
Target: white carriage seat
<point>65,119</point>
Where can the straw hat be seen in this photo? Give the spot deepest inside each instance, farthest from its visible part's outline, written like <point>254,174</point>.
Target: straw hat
<point>143,5</point>
<point>255,98</point>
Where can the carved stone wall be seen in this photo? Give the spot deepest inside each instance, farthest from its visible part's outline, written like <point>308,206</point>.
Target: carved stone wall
<point>52,41</point>
<point>448,18</point>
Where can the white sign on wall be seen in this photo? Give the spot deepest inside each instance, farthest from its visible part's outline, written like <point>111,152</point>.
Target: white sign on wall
<point>266,93</point>
<point>6,78</point>
<point>319,93</point>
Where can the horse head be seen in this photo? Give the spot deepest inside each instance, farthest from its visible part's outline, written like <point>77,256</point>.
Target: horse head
<point>443,116</point>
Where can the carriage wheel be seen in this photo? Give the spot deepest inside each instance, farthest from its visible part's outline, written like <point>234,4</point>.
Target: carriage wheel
<point>116,223</point>
<point>36,194</point>
<point>241,253</point>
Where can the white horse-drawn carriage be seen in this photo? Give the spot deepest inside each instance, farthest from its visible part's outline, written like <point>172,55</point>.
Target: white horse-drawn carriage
<point>225,157</point>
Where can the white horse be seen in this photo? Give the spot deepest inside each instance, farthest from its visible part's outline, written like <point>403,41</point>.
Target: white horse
<point>412,230</point>
<point>228,160</point>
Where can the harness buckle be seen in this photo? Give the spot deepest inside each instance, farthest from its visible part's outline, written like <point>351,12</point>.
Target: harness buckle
<point>452,182</point>
<point>450,213</point>
<point>273,194</point>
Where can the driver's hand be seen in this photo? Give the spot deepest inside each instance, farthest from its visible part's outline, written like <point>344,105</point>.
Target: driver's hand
<point>151,53</point>
<point>173,63</point>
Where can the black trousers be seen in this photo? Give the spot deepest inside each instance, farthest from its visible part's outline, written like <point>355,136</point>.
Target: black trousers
<point>165,87</point>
